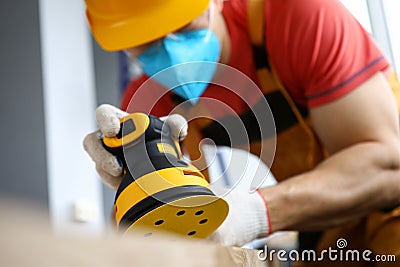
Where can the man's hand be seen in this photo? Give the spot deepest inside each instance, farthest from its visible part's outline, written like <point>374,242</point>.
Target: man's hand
<point>108,120</point>
<point>247,219</point>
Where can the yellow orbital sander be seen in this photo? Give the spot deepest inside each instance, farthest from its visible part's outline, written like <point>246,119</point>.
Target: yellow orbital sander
<point>160,192</point>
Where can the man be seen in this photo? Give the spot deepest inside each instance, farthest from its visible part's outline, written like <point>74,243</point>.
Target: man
<point>336,92</point>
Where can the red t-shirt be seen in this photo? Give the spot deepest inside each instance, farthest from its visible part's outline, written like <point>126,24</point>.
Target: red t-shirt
<point>318,49</point>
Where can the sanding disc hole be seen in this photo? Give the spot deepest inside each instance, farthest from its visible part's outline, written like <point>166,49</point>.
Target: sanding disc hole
<point>191,233</point>
<point>203,221</point>
<point>159,222</point>
<point>180,213</point>
<point>199,212</point>
<point>148,234</point>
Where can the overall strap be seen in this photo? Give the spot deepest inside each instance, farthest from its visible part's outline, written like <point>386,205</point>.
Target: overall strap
<point>256,18</point>
<point>269,81</point>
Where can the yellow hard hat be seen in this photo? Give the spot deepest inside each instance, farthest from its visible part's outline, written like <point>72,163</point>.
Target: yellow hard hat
<point>122,24</point>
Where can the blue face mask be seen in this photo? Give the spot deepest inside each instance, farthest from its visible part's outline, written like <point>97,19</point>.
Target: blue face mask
<point>184,62</point>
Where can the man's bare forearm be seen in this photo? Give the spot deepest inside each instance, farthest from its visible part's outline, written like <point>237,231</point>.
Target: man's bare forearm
<point>350,184</point>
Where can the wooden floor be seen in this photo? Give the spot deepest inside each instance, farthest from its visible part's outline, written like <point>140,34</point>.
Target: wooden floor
<point>26,239</point>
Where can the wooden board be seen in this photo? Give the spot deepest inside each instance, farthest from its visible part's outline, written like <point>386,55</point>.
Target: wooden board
<point>26,239</point>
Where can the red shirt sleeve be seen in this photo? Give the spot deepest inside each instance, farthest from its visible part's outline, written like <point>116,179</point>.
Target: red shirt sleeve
<point>319,50</point>
<point>147,96</point>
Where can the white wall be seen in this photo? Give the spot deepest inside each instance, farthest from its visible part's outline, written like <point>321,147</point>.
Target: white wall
<point>392,12</point>
<point>69,101</point>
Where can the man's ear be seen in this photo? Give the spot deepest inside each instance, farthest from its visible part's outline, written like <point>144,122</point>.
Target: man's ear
<point>219,4</point>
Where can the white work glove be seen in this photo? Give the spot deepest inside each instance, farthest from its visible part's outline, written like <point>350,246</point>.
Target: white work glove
<point>247,219</point>
<point>248,216</point>
<point>108,120</point>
